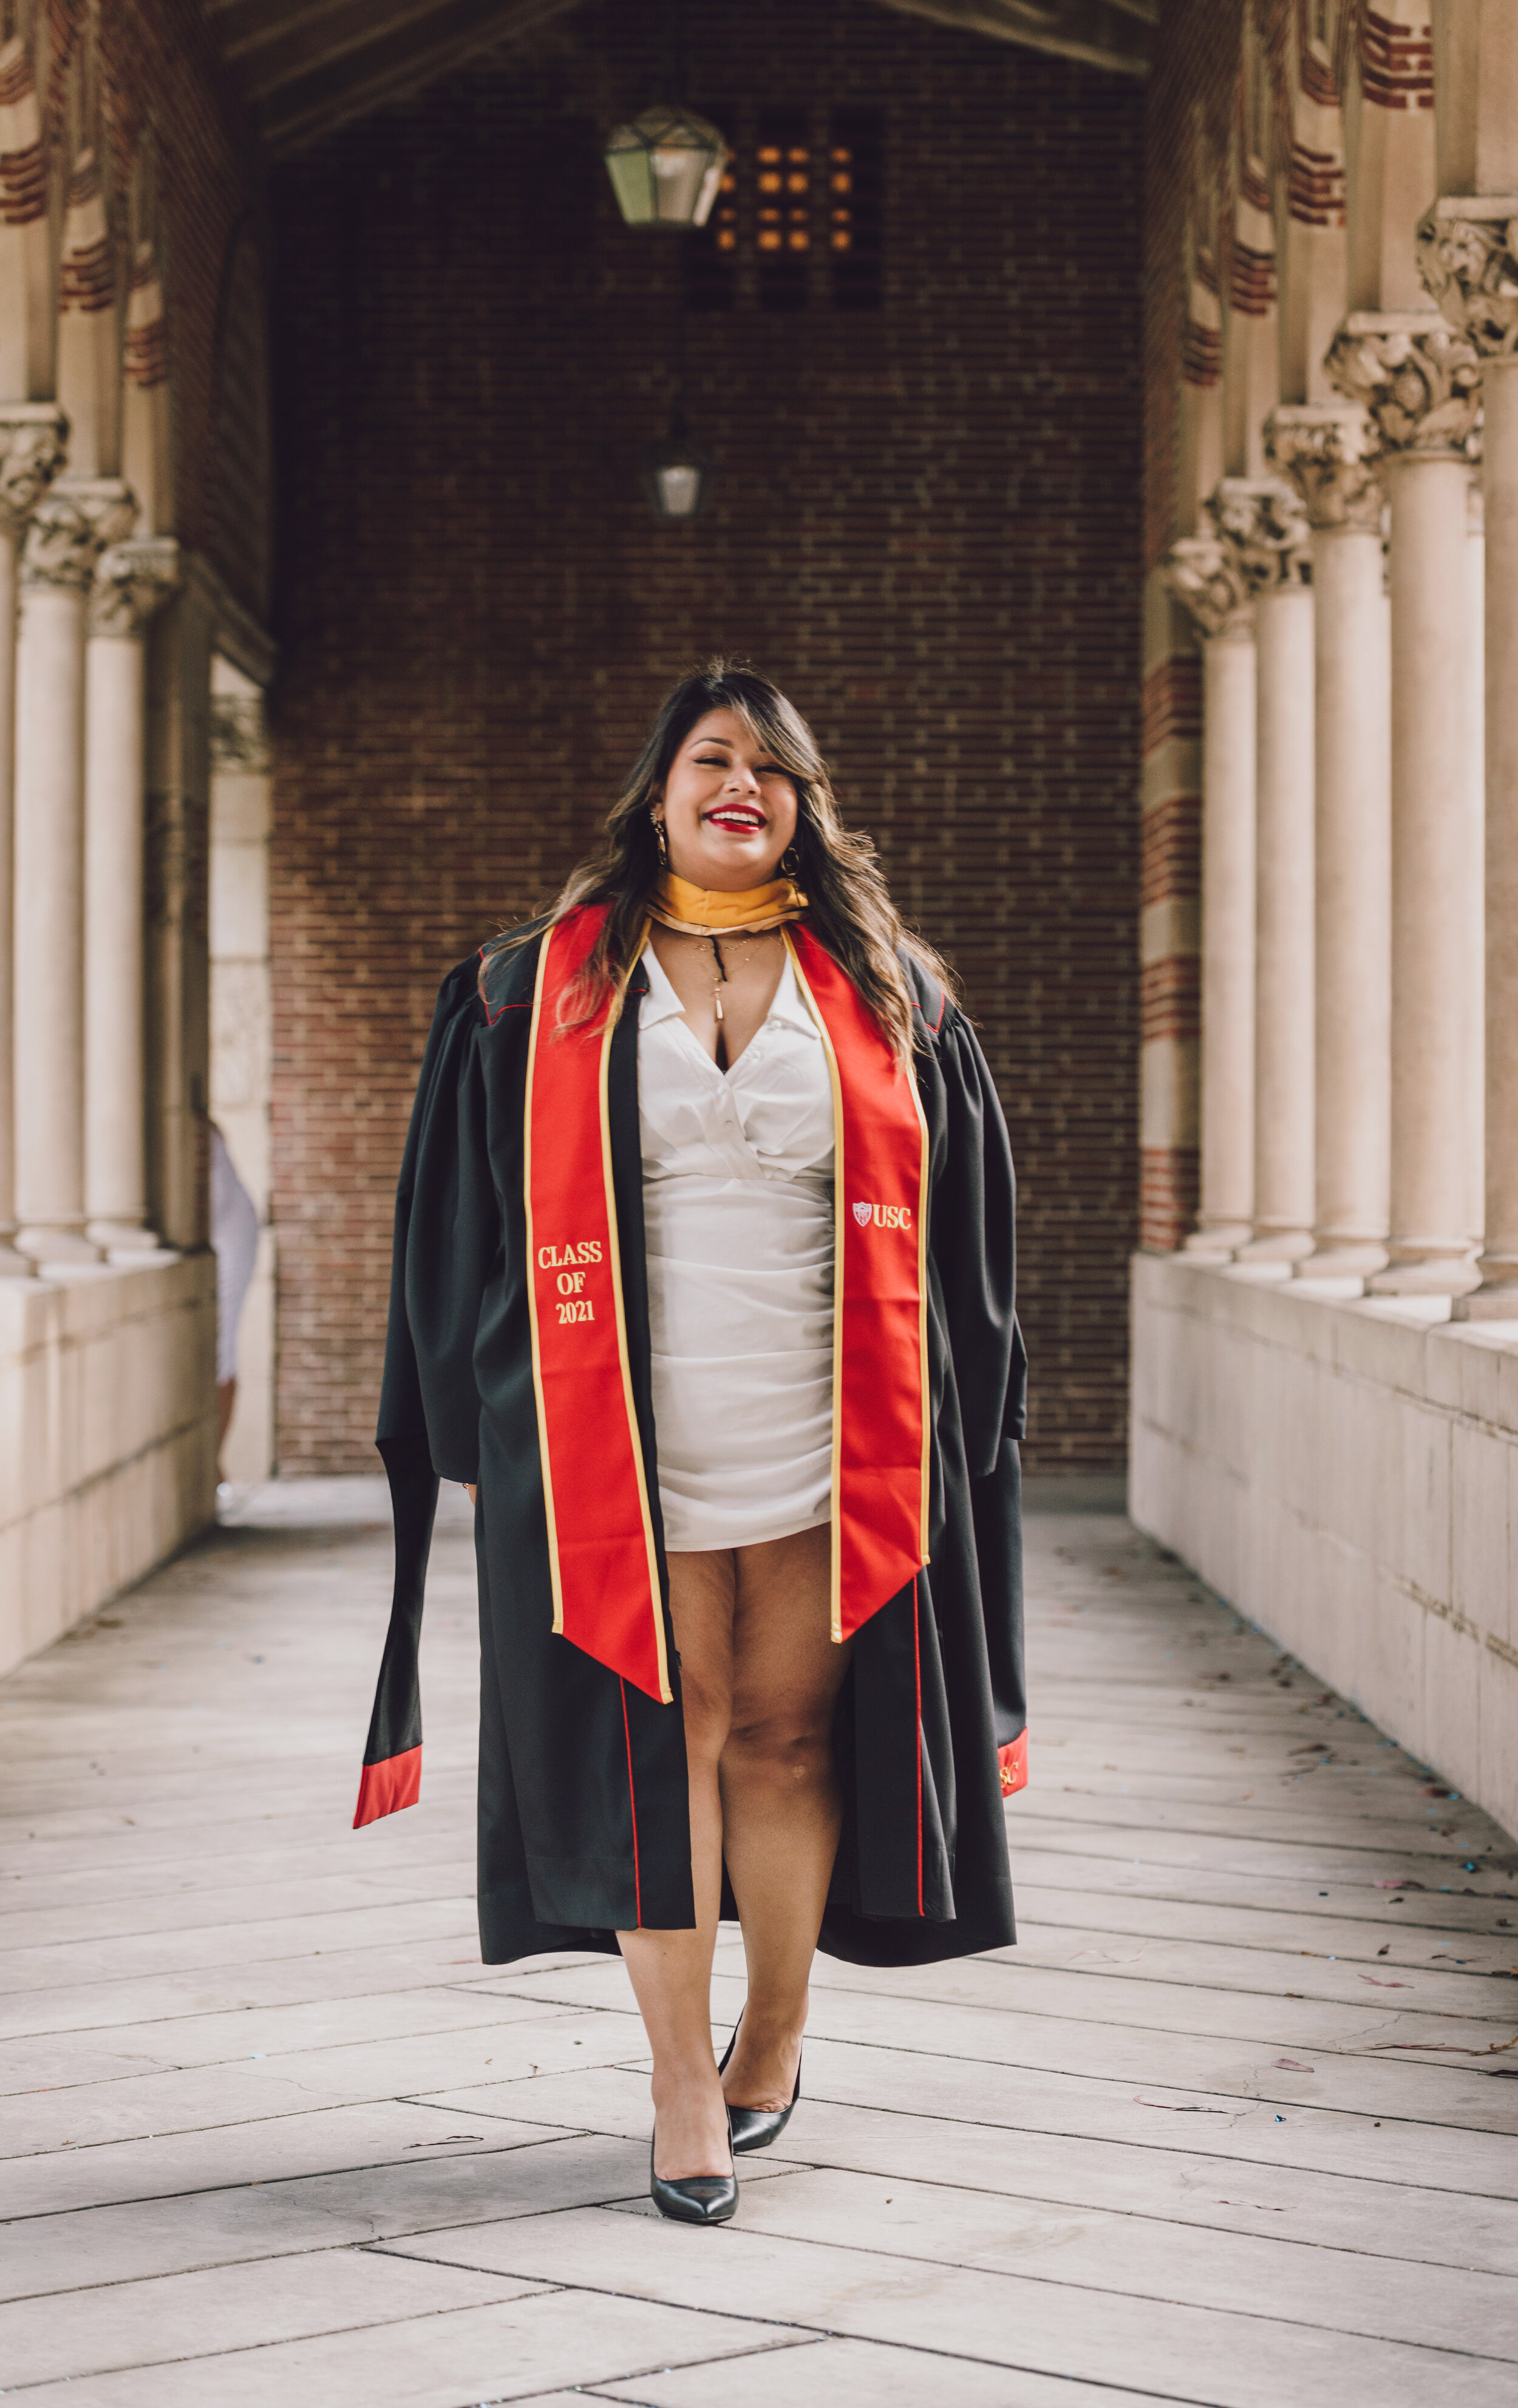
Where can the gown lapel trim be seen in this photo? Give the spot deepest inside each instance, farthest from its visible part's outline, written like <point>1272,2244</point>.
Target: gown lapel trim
<point>603,1559</point>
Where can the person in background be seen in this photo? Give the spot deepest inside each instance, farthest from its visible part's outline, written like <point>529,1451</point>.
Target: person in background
<point>235,1241</point>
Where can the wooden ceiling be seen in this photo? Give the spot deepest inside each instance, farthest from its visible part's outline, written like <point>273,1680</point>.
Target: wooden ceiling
<point>305,66</point>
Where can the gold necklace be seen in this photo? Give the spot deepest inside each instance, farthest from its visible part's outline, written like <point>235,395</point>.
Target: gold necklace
<point>720,978</point>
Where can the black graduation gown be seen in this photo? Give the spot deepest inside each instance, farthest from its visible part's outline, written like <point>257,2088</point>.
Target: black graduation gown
<point>935,1686</point>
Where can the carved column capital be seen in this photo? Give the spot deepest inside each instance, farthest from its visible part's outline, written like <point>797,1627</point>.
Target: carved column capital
<point>72,525</point>
<point>1202,571</point>
<point>1252,541</point>
<point>132,582</point>
<point>34,439</point>
<point>1468,257</point>
<point>1331,453</point>
<point>1265,521</point>
<point>1418,378</point>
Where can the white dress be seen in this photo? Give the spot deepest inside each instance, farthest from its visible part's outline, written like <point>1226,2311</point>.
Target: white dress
<point>738,1205</point>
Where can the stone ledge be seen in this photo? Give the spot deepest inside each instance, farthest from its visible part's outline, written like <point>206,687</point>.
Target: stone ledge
<point>1346,1474</point>
<point>1468,1368</point>
<point>108,1436</point>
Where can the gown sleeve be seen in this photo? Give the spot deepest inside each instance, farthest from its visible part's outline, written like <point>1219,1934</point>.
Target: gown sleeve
<point>975,1250</point>
<point>446,1239</point>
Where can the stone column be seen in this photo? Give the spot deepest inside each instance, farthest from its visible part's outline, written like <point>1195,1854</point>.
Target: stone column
<point>132,582</point>
<point>72,526</point>
<point>32,435</point>
<point>1421,383</point>
<point>1266,524</point>
<point>1328,452</point>
<point>1205,573</point>
<point>1475,882</point>
<point>1468,258</point>
<point>179,653</point>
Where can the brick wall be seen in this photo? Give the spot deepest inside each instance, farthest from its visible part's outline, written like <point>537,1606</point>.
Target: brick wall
<point>927,528</point>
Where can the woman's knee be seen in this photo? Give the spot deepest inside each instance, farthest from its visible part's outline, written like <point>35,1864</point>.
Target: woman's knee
<point>789,1747</point>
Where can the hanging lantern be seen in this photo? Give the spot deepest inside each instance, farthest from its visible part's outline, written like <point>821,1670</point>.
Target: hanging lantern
<point>676,474</point>
<point>666,167</point>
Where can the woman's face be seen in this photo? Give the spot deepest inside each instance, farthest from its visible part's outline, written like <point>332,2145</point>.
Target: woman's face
<point>729,812</point>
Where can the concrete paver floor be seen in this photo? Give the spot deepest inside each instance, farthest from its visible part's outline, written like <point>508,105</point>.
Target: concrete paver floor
<point>1231,2125</point>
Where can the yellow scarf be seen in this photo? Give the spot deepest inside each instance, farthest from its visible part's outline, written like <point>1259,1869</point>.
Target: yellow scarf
<point>706,911</point>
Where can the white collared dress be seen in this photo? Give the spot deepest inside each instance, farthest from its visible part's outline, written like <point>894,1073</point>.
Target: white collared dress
<point>737,1206</point>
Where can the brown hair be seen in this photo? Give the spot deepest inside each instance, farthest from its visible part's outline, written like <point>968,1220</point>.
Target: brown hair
<point>851,911</point>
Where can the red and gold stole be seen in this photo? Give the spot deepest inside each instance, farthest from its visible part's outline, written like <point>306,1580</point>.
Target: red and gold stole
<point>600,1532</point>
<point>601,1549</point>
<point>879,1297</point>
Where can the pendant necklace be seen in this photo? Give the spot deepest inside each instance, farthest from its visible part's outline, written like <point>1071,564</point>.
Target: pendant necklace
<point>720,1055</point>
<point>719,981</point>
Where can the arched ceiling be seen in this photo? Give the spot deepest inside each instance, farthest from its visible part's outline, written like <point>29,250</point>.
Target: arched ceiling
<point>305,66</point>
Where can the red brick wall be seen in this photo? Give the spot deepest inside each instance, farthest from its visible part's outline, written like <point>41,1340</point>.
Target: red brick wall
<point>928,529</point>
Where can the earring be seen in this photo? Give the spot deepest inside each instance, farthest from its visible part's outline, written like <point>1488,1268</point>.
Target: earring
<point>790,861</point>
<point>662,841</point>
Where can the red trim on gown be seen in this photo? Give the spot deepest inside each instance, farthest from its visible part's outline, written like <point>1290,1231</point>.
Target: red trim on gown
<point>384,1788</point>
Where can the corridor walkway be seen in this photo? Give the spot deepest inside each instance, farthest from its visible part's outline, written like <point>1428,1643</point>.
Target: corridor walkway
<point>1232,2125</point>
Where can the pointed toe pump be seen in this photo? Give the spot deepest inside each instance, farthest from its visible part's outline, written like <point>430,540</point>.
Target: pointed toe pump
<point>754,2128</point>
<point>694,2198</point>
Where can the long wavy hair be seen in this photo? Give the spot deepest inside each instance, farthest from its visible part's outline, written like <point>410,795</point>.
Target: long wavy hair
<point>850,909</point>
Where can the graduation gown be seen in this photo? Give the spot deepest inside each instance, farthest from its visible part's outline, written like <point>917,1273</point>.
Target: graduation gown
<point>582,1797</point>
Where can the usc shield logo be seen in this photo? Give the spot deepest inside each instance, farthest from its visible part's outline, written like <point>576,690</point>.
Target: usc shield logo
<point>883,1216</point>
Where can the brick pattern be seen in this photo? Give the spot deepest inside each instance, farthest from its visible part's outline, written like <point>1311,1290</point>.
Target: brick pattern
<point>1173,850</point>
<point>1171,998</point>
<point>1397,62</point>
<point>1172,703</point>
<point>1171,866</point>
<point>1169,1185</point>
<point>926,526</point>
<point>1315,187</point>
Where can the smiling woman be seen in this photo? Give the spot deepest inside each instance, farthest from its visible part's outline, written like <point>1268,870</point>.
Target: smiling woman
<point>704,1278</point>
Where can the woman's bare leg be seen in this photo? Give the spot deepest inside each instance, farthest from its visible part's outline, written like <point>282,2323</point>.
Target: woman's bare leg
<point>779,1795</point>
<point>671,1971</point>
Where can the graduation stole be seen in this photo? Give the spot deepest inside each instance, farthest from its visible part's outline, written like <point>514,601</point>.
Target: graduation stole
<point>602,1552</point>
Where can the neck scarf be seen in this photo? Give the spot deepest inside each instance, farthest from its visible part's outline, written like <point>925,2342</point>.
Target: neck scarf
<point>706,911</point>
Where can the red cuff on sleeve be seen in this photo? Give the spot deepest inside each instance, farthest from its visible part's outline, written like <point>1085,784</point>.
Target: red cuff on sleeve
<point>386,1788</point>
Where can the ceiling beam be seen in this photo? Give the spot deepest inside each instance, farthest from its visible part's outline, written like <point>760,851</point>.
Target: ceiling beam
<point>307,67</point>
<point>1116,33</point>
<point>406,50</point>
<point>270,42</point>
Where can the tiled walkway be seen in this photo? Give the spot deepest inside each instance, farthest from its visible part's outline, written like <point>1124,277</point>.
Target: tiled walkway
<point>1236,2123</point>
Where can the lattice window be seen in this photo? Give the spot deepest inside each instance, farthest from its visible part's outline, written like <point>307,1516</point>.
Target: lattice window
<point>799,216</point>
<point>855,207</point>
<point>784,187</point>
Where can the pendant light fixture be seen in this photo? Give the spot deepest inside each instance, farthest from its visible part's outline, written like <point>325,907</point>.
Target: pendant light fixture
<point>678,474</point>
<point>666,167</point>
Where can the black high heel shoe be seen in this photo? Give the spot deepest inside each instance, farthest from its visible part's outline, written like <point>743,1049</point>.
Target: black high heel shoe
<point>694,2198</point>
<point>754,2128</point>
